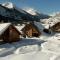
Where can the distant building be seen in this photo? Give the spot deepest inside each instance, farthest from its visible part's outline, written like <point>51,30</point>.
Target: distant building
<point>8,33</point>
<point>56,27</point>
<point>31,30</point>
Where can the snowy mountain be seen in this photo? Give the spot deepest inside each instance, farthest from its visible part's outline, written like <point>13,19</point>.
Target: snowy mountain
<point>30,11</point>
<point>52,20</point>
<point>36,14</point>
<point>12,13</point>
<point>8,5</point>
<point>55,14</point>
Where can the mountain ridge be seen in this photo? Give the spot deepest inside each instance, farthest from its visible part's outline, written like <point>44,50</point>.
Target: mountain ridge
<point>19,14</point>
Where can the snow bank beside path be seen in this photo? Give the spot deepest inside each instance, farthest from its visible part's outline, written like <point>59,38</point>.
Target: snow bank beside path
<point>31,49</point>
<point>22,47</point>
<point>27,49</point>
<point>57,58</point>
<point>6,49</point>
<point>53,46</point>
<point>27,45</point>
<point>30,56</point>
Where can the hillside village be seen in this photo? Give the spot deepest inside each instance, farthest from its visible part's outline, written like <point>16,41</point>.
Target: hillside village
<point>26,35</point>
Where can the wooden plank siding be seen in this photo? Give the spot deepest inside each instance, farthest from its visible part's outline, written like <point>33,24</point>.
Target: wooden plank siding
<point>30,30</point>
<point>56,27</point>
<point>10,34</point>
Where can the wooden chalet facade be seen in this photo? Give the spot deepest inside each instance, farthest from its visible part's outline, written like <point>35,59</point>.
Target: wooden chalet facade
<point>56,27</point>
<point>9,33</point>
<point>31,30</point>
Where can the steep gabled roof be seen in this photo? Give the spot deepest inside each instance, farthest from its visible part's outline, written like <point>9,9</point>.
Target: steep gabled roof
<point>56,27</point>
<point>19,28</point>
<point>30,25</point>
<point>4,26</point>
<point>39,25</point>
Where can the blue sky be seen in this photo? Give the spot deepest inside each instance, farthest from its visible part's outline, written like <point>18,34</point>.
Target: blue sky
<point>45,6</point>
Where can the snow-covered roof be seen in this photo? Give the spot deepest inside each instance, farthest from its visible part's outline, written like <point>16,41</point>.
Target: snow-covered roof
<point>3,27</point>
<point>50,22</point>
<point>39,25</point>
<point>19,28</point>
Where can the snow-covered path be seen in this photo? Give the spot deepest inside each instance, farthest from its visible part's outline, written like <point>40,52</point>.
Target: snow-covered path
<point>29,56</point>
<point>43,48</point>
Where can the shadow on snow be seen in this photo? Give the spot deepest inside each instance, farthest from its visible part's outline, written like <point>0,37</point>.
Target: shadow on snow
<point>21,43</point>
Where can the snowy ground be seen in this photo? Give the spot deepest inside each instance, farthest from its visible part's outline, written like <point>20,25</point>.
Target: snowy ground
<point>43,48</point>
